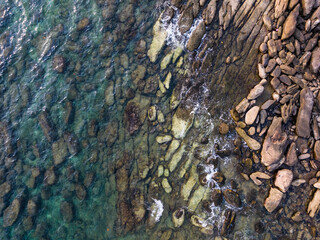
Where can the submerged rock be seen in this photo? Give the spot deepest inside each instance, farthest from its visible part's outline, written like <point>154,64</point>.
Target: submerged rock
<point>10,214</point>
<point>232,198</point>
<point>182,121</point>
<point>178,217</point>
<point>59,151</point>
<point>58,63</point>
<point>274,143</point>
<point>66,210</point>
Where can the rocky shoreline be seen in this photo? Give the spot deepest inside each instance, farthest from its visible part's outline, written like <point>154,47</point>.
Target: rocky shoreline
<point>279,119</point>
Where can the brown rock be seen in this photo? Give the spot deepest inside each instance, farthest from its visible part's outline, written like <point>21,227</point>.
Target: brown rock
<point>11,213</point>
<point>273,200</point>
<point>232,197</point>
<point>289,26</point>
<point>32,207</point>
<point>209,12</point>
<point>223,128</point>
<point>50,176</point>
<point>292,158</point>
<point>274,143</point>
<point>81,192</point>
<point>5,188</point>
<point>216,197</point>
<point>272,49</point>
<point>196,36</point>
<point>316,150</point>
<point>304,114</point>
<point>66,210</point>
<point>307,6</point>
<point>315,60</point>
<point>186,19</point>
<point>288,70</point>
<point>283,179</point>
<point>58,63</point>
<point>83,24</point>
<point>280,7</point>
<point>59,151</point>
<point>251,115</point>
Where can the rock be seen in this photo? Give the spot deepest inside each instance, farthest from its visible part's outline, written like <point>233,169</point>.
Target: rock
<point>81,192</point>
<point>267,22</point>
<point>313,206</point>
<point>223,128</point>
<point>262,71</point>
<point>178,217</point>
<point>272,63</point>
<point>138,204</point>
<point>232,198</point>
<point>158,40</point>
<point>273,200</point>
<point>292,158</point>
<point>242,106</point>
<point>152,113</point>
<point>32,208</point>
<point>46,126</point>
<point>151,84</point>
<point>58,63</point>
<point>71,142</point>
<point>182,121</point>
<point>315,60</point>
<point>196,36</point>
<point>209,12</point>
<point>163,139</point>
<point>5,188</point>
<point>229,217</point>
<point>252,143</point>
<point>251,115</point>
<point>307,6</point>
<point>59,151</point>
<point>216,197</point>
<point>280,7</point>
<point>283,179</point>
<point>83,24</point>
<point>289,25</point>
<point>66,210</point>
<point>10,214</point>
<point>255,92</point>
<point>201,223</point>
<point>50,176</point>
<point>254,177</point>
<point>166,185</point>
<point>109,94</point>
<point>304,114</point>
<point>185,20</point>
<point>316,150</point>
<point>274,143</point>
<point>288,70</point>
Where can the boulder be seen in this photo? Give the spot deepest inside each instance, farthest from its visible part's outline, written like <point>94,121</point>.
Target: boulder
<point>304,114</point>
<point>290,24</point>
<point>185,20</point>
<point>5,188</point>
<point>196,36</point>
<point>273,200</point>
<point>274,143</point>
<point>256,175</point>
<point>283,179</point>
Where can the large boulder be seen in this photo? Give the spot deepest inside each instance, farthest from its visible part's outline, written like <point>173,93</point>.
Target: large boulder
<point>274,143</point>
<point>196,36</point>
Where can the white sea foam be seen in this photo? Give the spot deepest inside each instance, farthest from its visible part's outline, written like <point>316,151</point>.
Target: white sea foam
<point>156,209</point>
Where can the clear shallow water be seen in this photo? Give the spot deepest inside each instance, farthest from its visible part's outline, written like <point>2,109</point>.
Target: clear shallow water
<point>85,108</point>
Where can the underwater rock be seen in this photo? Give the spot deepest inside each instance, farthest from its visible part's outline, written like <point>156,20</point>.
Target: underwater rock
<point>289,25</point>
<point>201,223</point>
<point>229,217</point>
<point>59,151</point>
<point>10,214</point>
<point>182,121</point>
<point>151,84</point>
<point>152,113</point>
<point>304,114</point>
<point>273,200</point>
<point>242,106</point>
<point>314,204</point>
<point>50,176</point>
<point>274,143</point>
<point>66,210</point>
<point>232,198</point>
<point>58,63</point>
<point>178,217</point>
<point>32,207</point>
<point>283,179</point>
<point>126,217</point>
<point>223,128</point>
<point>132,117</point>
<point>71,142</point>
<point>83,24</point>
<point>216,197</point>
<point>109,94</point>
<point>158,40</point>
<point>196,36</point>
<point>5,188</point>
<point>46,126</point>
<point>138,203</point>
<point>81,192</point>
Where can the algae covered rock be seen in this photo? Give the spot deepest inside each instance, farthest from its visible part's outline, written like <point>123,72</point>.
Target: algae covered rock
<point>11,213</point>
